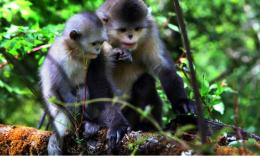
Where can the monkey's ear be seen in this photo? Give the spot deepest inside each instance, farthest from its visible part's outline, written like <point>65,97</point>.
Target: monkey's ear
<point>74,35</point>
<point>103,17</point>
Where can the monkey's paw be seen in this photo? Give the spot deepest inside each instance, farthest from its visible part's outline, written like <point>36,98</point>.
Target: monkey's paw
<point>114,135</point>
<point>122,55</point>
<point>186,107</point>
<point>90,129</point>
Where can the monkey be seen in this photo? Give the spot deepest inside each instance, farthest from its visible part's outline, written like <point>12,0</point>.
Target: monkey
<point>130,25</point>
<point>73,70</point>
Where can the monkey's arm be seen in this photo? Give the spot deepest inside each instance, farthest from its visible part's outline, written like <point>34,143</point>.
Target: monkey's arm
<point>110,115</point>
<point>173,86</point>
<point>54,84</point>
<point>68,96</point>
<point>65,92</point>
<point>60,84</point>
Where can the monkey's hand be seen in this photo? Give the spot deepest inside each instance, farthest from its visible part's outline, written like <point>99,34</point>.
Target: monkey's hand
<point>116,123</point>
<point>115,134</point>
<point>90,129</point>
<point>186,107</point>
<point>121,55</point>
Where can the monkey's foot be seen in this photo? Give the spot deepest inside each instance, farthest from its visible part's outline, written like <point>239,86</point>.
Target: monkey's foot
<point>54,146</point>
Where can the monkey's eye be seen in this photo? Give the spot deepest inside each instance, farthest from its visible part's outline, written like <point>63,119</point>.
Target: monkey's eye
<point>122,30</point>
<point>94,43</point>
<point>138,28</point>
<point>75,35</point>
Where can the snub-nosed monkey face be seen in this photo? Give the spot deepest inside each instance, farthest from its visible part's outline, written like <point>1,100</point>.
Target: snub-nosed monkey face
<point>128,38</point>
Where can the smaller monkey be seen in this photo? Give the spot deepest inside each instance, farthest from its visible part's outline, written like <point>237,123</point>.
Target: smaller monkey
<point>63,76</point>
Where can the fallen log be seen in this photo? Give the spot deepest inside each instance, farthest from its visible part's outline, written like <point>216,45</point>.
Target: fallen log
<point>20,140</point>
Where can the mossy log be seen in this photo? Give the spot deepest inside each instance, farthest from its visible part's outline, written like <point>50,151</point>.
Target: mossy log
<point>20,140</point>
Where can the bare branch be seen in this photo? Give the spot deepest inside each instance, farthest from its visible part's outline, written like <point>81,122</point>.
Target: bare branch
<point>33,50</point>
<point>194,83</point>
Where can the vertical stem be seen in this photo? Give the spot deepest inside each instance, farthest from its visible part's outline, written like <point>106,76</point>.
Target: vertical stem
<point>236,118</point>
<point>201,124</point>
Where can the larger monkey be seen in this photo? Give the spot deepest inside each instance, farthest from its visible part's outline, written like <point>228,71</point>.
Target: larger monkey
<point>129,25</point>
<point>63,74</point>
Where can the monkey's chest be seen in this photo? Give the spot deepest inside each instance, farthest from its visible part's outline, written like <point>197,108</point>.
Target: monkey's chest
<point>76,72</point>
<point>124,75</point>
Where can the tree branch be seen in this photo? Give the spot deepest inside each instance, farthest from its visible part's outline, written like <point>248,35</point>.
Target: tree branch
<point>194,83</point>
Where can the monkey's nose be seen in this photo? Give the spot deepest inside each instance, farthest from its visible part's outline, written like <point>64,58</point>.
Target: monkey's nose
<point>130,36</point>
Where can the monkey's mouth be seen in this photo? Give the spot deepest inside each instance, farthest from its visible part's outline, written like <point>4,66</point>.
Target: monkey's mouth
<point>129,45</point>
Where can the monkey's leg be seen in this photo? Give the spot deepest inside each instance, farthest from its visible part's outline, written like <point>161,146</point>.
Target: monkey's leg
<point>143,94</point>
<point>62,125</point>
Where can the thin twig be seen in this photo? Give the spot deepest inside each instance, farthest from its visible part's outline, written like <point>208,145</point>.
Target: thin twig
<point>41,120</point>
<point>2,65</point>
<point>201,124</point>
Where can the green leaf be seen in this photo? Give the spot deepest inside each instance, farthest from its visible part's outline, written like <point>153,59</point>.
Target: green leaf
<point>220,107</point>
<point>173,27</point>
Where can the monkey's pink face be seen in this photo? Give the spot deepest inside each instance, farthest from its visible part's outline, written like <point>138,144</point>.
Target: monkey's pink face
<point>128,38</point>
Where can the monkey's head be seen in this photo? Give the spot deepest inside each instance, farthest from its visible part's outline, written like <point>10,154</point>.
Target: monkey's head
<point>85,34</point>
<point>126,23</point>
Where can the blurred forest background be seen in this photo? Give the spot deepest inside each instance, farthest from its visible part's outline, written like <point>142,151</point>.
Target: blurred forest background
<point>224,36</point>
